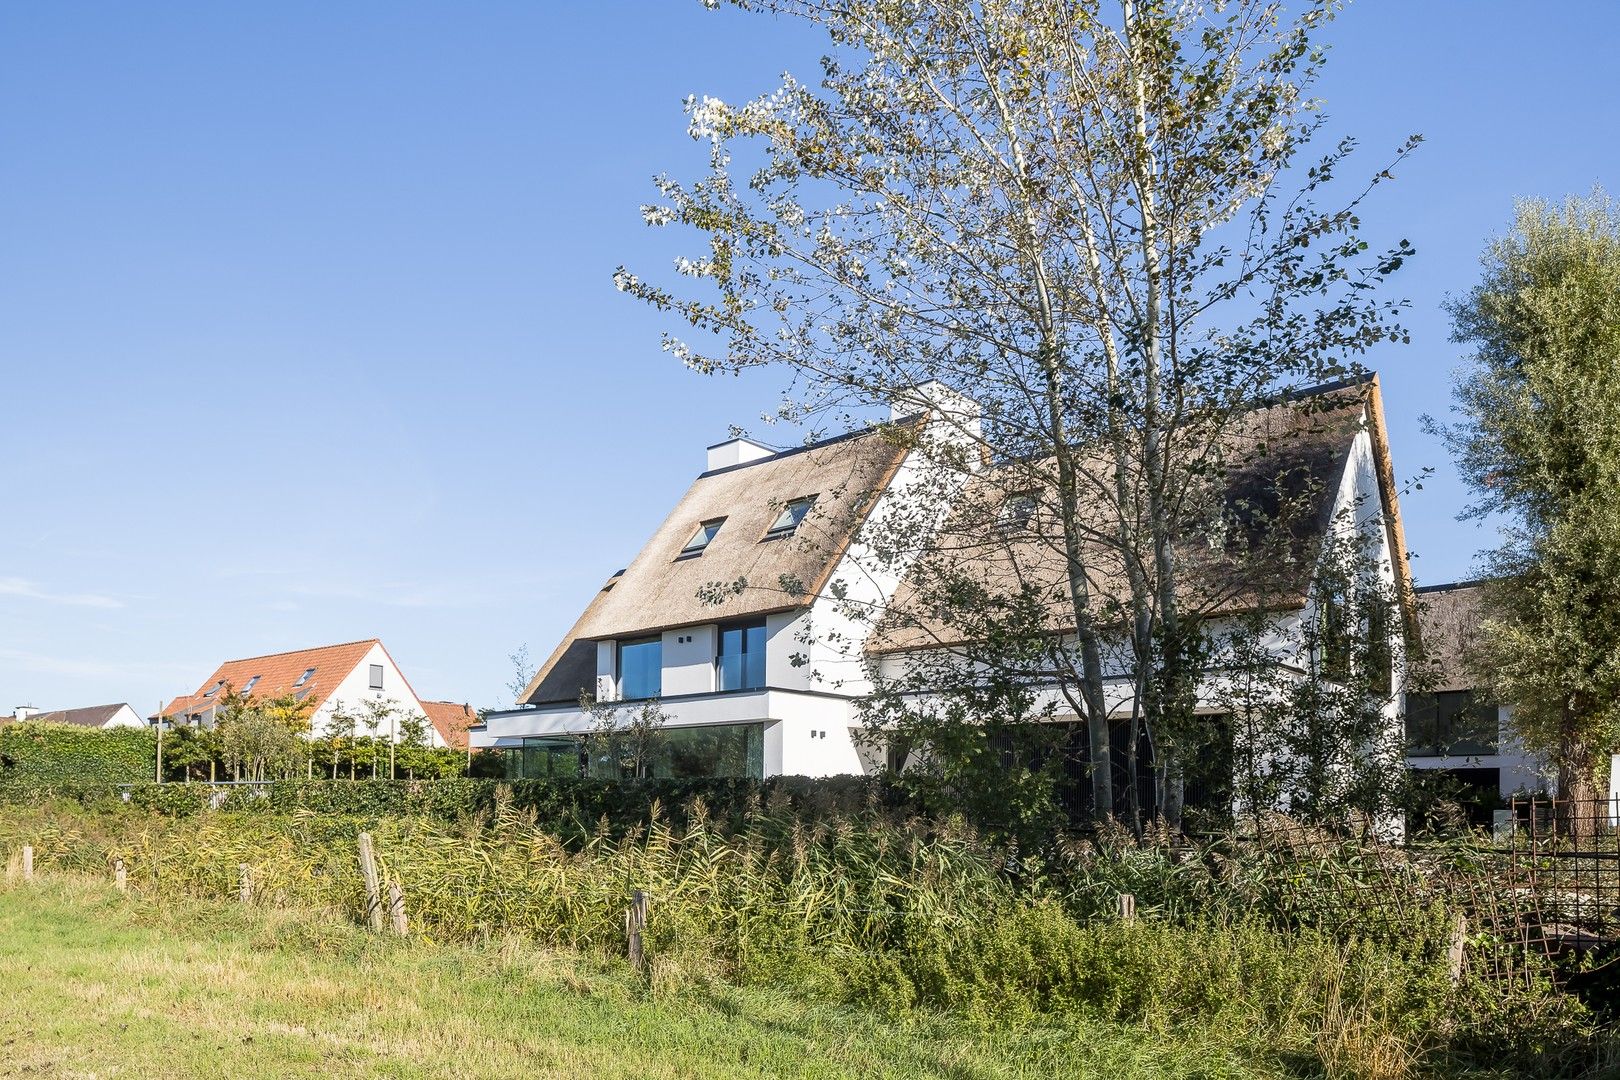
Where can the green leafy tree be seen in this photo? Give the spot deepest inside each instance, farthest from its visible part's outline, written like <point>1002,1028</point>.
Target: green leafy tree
<point>1539,442</point>
<point>1089,218</point>
<point>259,738</point>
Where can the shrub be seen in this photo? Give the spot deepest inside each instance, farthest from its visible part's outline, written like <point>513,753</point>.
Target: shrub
<point>36,755</point>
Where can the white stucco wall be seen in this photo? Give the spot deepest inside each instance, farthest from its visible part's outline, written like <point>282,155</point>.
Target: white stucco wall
<point>354,688</point>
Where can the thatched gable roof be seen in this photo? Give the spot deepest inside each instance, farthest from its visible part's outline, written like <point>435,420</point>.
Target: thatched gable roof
<point>1284,464</point>
<point>662,589</point>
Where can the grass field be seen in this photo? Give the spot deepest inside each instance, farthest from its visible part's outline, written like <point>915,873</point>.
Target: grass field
<point>101,985</point>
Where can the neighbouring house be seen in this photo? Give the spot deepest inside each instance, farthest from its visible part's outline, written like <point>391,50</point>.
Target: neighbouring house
<point>451,721</point>
<point>336,680</point>
<point>1454,727</point>
<point>120,715</point>
<point>763,681</point>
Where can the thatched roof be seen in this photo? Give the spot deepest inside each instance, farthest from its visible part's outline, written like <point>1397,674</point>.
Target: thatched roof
<point>1282,470</point>
<point>742,572</point>
<point>1450,616</point>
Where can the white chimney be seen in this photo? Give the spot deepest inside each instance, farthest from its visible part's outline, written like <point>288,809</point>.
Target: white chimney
<point>736,452</point>
<point>957,417</point>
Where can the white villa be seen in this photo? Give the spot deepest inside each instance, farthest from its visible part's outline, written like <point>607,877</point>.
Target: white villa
<point>105,717</point>
<point>332,678</point>
<point>733,615</point>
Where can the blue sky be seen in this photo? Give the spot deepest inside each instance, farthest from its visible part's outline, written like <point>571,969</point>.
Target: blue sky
<point>308,334</point>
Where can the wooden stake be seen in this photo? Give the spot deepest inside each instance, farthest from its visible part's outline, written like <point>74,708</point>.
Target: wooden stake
<point>396,908</point>
<point>1459,948</point>
<point>244,888</point>
<point>368,870</point>
<point>1127,907</point>
<point>635,921</point>
<point>28,862</point>
<point>120,875</point>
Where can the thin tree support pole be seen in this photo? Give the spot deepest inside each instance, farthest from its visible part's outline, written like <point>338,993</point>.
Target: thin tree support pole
<point>635,921</point>
<point>368,870</point>
<point>396,908</point>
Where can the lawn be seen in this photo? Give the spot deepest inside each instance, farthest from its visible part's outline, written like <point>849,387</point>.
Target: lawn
<point>99,985</point>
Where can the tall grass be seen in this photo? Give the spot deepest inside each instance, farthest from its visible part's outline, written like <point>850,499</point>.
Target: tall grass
<point>1302,950</point>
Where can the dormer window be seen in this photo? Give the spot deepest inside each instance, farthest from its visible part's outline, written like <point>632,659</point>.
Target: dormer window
<point>788,520</point>
<point>247,687</point>
<point>1017,512</point>
<point>304,678</point>
<point>700,539</point>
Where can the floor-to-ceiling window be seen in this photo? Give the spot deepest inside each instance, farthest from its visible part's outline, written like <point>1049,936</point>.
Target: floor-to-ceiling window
<point>641,668</point>
<point>741,660</point>
<point>717,750</point>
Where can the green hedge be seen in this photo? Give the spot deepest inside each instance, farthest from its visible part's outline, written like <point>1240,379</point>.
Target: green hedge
<point>35,755</point>
<point>575,805</point>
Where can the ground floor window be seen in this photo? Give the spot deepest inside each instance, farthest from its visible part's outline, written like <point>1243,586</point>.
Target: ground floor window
<point>715,751</point>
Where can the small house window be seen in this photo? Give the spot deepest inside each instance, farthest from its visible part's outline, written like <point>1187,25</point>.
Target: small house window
<point>740,662</point>
<point>788,520</point>
<point>304,678</point>
<point>700,539</point>
<point>1017,512</point>
<point>376,676</point>
<point>247,687</point>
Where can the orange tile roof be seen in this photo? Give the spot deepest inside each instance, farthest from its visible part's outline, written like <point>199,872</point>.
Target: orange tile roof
<point>451,720</point>
<point>278,672</point>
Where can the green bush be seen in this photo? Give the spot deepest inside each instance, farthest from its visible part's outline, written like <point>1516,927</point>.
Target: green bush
<point>573,807</point>
<point>36,756</point>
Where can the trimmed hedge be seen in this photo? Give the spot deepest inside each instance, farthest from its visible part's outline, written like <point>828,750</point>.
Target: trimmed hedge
<point>569,805</point>
<point>35,755</point>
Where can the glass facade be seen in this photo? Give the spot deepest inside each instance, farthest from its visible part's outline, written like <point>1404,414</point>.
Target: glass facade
<point>641,669</point>
<point>1453,723</point>
<point>740,664</point>
<point>720,750</point>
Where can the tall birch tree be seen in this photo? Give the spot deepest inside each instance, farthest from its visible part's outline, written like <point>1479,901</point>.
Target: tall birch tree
<point>1096,219</point>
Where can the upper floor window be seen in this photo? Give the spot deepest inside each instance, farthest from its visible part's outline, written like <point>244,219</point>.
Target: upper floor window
<point>1454,723</point>
<point>247,687</point>
<point>212,690</point>
<point>376,676</point>
<point>1017,512</point>
<point>304,678</point>
<point>740,664</point>
<point>788,520</point>
<point>641,668</point>
<point>700,539</point>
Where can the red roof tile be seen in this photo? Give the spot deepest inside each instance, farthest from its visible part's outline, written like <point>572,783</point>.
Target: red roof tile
<point>279,673</point>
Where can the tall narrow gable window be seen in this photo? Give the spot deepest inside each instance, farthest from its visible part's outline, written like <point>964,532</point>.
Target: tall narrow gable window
<point>700,539</point>
<point>376,676</point>
<point>788,520</point>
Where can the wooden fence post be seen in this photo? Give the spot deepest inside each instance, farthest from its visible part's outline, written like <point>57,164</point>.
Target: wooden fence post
<point>635,921</point>
<point>244,886</point>
<point>1458,949</point>
<point>1127,907</point>
<point>120,875</point>
<point>396,908</point>
<point>368,870</point>
<point>28,862</point>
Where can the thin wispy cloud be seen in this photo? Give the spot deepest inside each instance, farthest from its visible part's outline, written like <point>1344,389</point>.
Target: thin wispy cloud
<point>90,667</point>
<point>29,590</point>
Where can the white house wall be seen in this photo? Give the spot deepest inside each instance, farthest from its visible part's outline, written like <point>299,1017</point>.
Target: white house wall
<point>355,688</point>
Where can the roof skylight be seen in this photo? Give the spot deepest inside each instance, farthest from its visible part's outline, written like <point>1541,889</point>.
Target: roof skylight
<point>788,520</point>
<point>304,678</point>
<point>250,684</point>
<point>700,539</point>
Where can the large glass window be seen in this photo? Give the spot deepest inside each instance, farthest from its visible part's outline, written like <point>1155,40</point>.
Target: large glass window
<point>723,750</point>
<point>641,668</point>
<point>1454,723</point>
<point>741,662</point>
